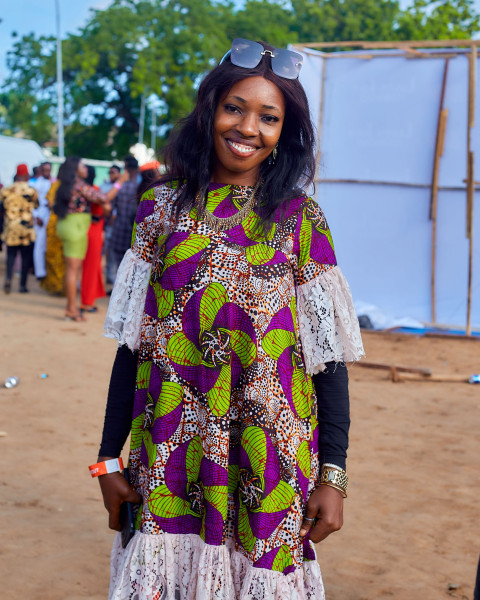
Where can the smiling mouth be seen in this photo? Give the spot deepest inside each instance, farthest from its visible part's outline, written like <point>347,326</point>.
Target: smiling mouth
<point>241,149</point>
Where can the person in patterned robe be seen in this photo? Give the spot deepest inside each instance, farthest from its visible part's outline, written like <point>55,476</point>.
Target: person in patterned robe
<point>231,315</point>
<point>19,202</point>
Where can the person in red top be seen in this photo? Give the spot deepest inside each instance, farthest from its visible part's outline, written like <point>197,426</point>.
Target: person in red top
<point>92,276</point>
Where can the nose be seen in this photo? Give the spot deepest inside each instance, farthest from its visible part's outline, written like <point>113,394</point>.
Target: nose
<point>248,126</point>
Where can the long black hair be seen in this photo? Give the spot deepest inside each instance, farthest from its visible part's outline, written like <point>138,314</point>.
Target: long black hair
<point>67,174</point>
<point>189,156</point>
<point>91,173</point>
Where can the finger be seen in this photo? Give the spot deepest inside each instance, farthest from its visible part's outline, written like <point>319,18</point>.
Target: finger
<point>323,529</point>
<point>308,519</point>
<point>306,526</point>
<point>133,497</point>
<point>114,518</point>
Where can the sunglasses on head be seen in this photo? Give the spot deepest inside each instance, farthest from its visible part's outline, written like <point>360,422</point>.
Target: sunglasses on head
<point>248,54</point>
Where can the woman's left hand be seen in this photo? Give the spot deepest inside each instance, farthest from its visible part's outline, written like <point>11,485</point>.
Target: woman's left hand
<point>326,506</point>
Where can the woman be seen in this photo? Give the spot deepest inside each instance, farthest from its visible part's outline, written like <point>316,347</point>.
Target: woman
<point>228,302</point>
<point>92,276</point>
<point>72,206</point>
<point>54,281</point>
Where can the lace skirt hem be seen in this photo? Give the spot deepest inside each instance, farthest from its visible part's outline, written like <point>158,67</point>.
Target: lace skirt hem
<point>182,567</point>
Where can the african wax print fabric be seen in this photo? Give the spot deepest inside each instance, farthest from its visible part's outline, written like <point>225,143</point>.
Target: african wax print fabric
<point>224,441</point>
<point>19,201</point>
<point>54,281</point>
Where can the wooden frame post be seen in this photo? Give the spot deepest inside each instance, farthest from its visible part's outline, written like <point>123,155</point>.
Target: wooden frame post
<point>439,144</point>
<point>472,77</point>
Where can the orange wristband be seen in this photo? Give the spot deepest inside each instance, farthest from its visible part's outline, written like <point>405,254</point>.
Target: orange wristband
<point>107,466</point>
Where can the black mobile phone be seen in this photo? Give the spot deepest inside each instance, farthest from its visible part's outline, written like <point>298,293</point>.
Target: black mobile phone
<point>128,513</point>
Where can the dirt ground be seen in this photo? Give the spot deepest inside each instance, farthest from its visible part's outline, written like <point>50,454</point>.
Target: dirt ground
<point>412,524</point>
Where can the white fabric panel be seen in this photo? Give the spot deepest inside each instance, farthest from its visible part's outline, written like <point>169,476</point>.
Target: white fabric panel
<point>453,164</point>
<point>382,242</point>
<point>379,123</point>
<point>380,119</point>
<point>452,260</point>
<point>311,79</point>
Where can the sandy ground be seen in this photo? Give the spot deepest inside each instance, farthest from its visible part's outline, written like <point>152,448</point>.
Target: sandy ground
<point>412,522</point>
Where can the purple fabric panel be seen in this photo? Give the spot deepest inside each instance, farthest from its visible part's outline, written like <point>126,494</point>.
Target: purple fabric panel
<point>179,274</point>
<point>282,320</point>
<point>151,307</point>
<point>145,209</point>
<point>139,403</point>
<point>232,317</point>
<point>264,524</point>
<point>185,524</point>
<point>164,427</point>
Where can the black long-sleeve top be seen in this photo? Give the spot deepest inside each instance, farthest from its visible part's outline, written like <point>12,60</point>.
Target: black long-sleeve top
<point>331,388</point>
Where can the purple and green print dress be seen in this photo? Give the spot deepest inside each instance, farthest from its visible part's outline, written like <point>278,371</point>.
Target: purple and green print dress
<point>229,326</point>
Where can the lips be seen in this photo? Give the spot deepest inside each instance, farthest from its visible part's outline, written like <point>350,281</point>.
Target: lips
<point>241,149</point>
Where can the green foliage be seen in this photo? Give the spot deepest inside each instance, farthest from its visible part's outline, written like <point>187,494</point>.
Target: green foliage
<point>429,20</point>
<point>343,20</point>
<point>162,48</point>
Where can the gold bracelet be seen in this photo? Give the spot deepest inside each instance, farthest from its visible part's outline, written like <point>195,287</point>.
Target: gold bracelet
<point>334,477</point>
<point>337,487</point>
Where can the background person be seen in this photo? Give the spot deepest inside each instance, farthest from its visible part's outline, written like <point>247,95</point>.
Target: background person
<point>110,267</point>
<point>54,280</point>
<point>42,215</point>
<point>36,174</point>
<point>219,310</point>
<point>72,206</point>
<point>149,174</point>
<point>19,202</point>
<point>92,286</point>
<point>124,208</point>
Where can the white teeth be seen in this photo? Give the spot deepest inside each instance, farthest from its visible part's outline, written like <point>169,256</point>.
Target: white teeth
<point>241,147</point>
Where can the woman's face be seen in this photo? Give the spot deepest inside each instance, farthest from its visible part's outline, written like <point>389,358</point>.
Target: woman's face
<point>248,123</point>
<point>82,170</point>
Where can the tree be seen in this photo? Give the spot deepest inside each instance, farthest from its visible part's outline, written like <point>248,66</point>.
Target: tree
<point>160,49</point>
<point>344,20</point>
<point>132,48</point>
<point>433,20</point>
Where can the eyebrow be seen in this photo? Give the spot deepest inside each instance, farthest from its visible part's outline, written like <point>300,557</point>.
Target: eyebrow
<point>267,106</point>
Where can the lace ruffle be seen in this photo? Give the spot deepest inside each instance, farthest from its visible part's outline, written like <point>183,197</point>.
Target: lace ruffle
<point>328,323</point>
<point>182,567</point>
<point>127,302</point>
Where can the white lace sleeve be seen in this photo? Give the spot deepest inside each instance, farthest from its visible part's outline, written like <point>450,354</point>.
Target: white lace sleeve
<point>127,302</point>
<point>329,328</point>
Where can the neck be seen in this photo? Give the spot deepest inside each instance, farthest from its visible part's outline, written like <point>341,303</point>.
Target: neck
<point>248,178</point>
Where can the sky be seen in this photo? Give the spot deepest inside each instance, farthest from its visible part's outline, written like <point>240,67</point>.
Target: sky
<point>24,16</point>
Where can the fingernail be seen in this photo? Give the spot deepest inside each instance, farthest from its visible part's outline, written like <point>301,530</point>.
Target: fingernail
<point>302,532</point>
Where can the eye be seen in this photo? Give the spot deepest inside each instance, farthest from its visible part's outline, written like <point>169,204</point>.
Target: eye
<point>270,119</point>
<point>231,108</point>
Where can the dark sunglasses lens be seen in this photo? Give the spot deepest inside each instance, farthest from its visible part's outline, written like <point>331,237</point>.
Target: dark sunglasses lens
<point>246,53</point>
<point>287,64</point>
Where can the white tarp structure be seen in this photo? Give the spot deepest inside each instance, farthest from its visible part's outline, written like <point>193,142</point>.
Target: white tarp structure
<point>377,115</point>
<point>14,151</point>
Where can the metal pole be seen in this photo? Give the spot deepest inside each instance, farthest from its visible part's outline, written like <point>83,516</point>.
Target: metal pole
<point>153,142</point>
<point>142,120</point>
<point>61,142</point>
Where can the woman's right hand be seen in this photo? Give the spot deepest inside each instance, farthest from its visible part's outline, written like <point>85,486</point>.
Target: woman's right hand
<point>115,491</point>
